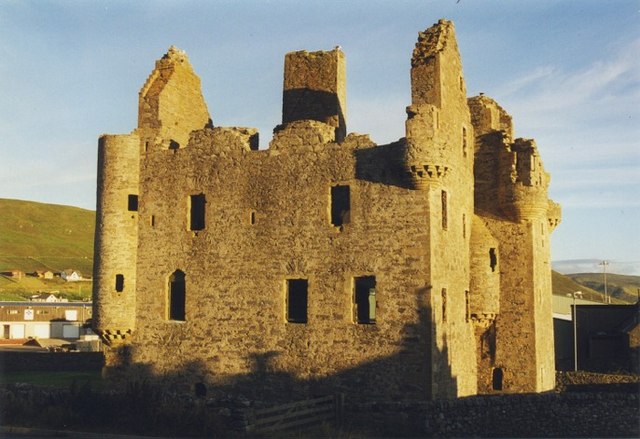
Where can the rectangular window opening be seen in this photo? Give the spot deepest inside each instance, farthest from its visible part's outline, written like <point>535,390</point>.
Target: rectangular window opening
<point>252,217</point>
<point>365,299</point>
<point>197,212</point>
<point>119,283</point>
<point>340,205</point>
<point>177,296</point>
<point>297,297</point>
<point>132,203</point>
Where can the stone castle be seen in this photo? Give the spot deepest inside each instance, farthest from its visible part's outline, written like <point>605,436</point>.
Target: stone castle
<point>414,270</point>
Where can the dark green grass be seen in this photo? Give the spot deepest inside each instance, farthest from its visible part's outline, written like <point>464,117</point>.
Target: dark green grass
<point>54,379</point>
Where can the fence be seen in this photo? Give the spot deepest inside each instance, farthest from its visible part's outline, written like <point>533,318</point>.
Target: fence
<point>299,414</point>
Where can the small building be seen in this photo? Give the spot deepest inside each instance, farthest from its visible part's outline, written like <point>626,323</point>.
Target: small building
<point>71,275</point>
<point>608,336</point>
<point>47,297</point>
<point>563,329</point>
<point>47,274</point>
<point>22,320</point>
<point>15,274</point>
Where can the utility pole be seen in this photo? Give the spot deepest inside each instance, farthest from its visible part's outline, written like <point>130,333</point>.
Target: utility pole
<point>575,334</point>
<point>604,264</point>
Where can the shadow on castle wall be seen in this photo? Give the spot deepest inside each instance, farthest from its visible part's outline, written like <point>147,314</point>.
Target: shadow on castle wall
<point>383,164</point>
<point>403,376</point>
<point>323,106</point>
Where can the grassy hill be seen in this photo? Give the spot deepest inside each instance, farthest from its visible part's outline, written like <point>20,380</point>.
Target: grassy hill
<point>621,287</point>
<point>563,285</point>
<point>37,236</point>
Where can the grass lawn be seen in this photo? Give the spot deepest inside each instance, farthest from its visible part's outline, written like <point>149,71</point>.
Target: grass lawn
<point>54,379</point>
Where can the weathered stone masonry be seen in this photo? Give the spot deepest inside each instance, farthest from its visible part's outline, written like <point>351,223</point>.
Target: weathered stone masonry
<point>414,270</point>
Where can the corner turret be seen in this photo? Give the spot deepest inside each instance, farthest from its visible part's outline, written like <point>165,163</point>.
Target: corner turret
<point>438,128</point>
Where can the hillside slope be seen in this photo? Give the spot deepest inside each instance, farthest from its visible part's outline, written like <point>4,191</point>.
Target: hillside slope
<point>563,285</point>
<point>38,236</point>
<point>619,286</point>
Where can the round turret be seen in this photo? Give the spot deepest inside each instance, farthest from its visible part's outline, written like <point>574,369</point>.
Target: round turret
<point>116,237</point>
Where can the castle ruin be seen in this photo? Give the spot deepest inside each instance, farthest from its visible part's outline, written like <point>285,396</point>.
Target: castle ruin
<point>418,269</point>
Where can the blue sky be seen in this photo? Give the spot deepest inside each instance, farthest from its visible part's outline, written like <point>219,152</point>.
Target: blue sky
<point>567,71</point>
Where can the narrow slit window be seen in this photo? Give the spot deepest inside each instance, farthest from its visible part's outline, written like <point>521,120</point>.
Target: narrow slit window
<point>444,304</point>
<point>464,226</point>
<point>252,217</point>
<point>152,220</point>
<point>365,299</point>
<point>132,203</point>
<point>493,259</point>
<point>340,205</point>
<point>119,283</point>
<point>467,305</point>
<point>464,141</point>
<point>197,212</point>
<point>177,293</point>
<point>444,210</point>
<point>297,297</point>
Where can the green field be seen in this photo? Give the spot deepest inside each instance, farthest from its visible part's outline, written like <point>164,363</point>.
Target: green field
<point>37,236</point>
<point>54,379</point>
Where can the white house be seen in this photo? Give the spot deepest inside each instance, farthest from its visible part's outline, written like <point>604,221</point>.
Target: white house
<point>71,275</point>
